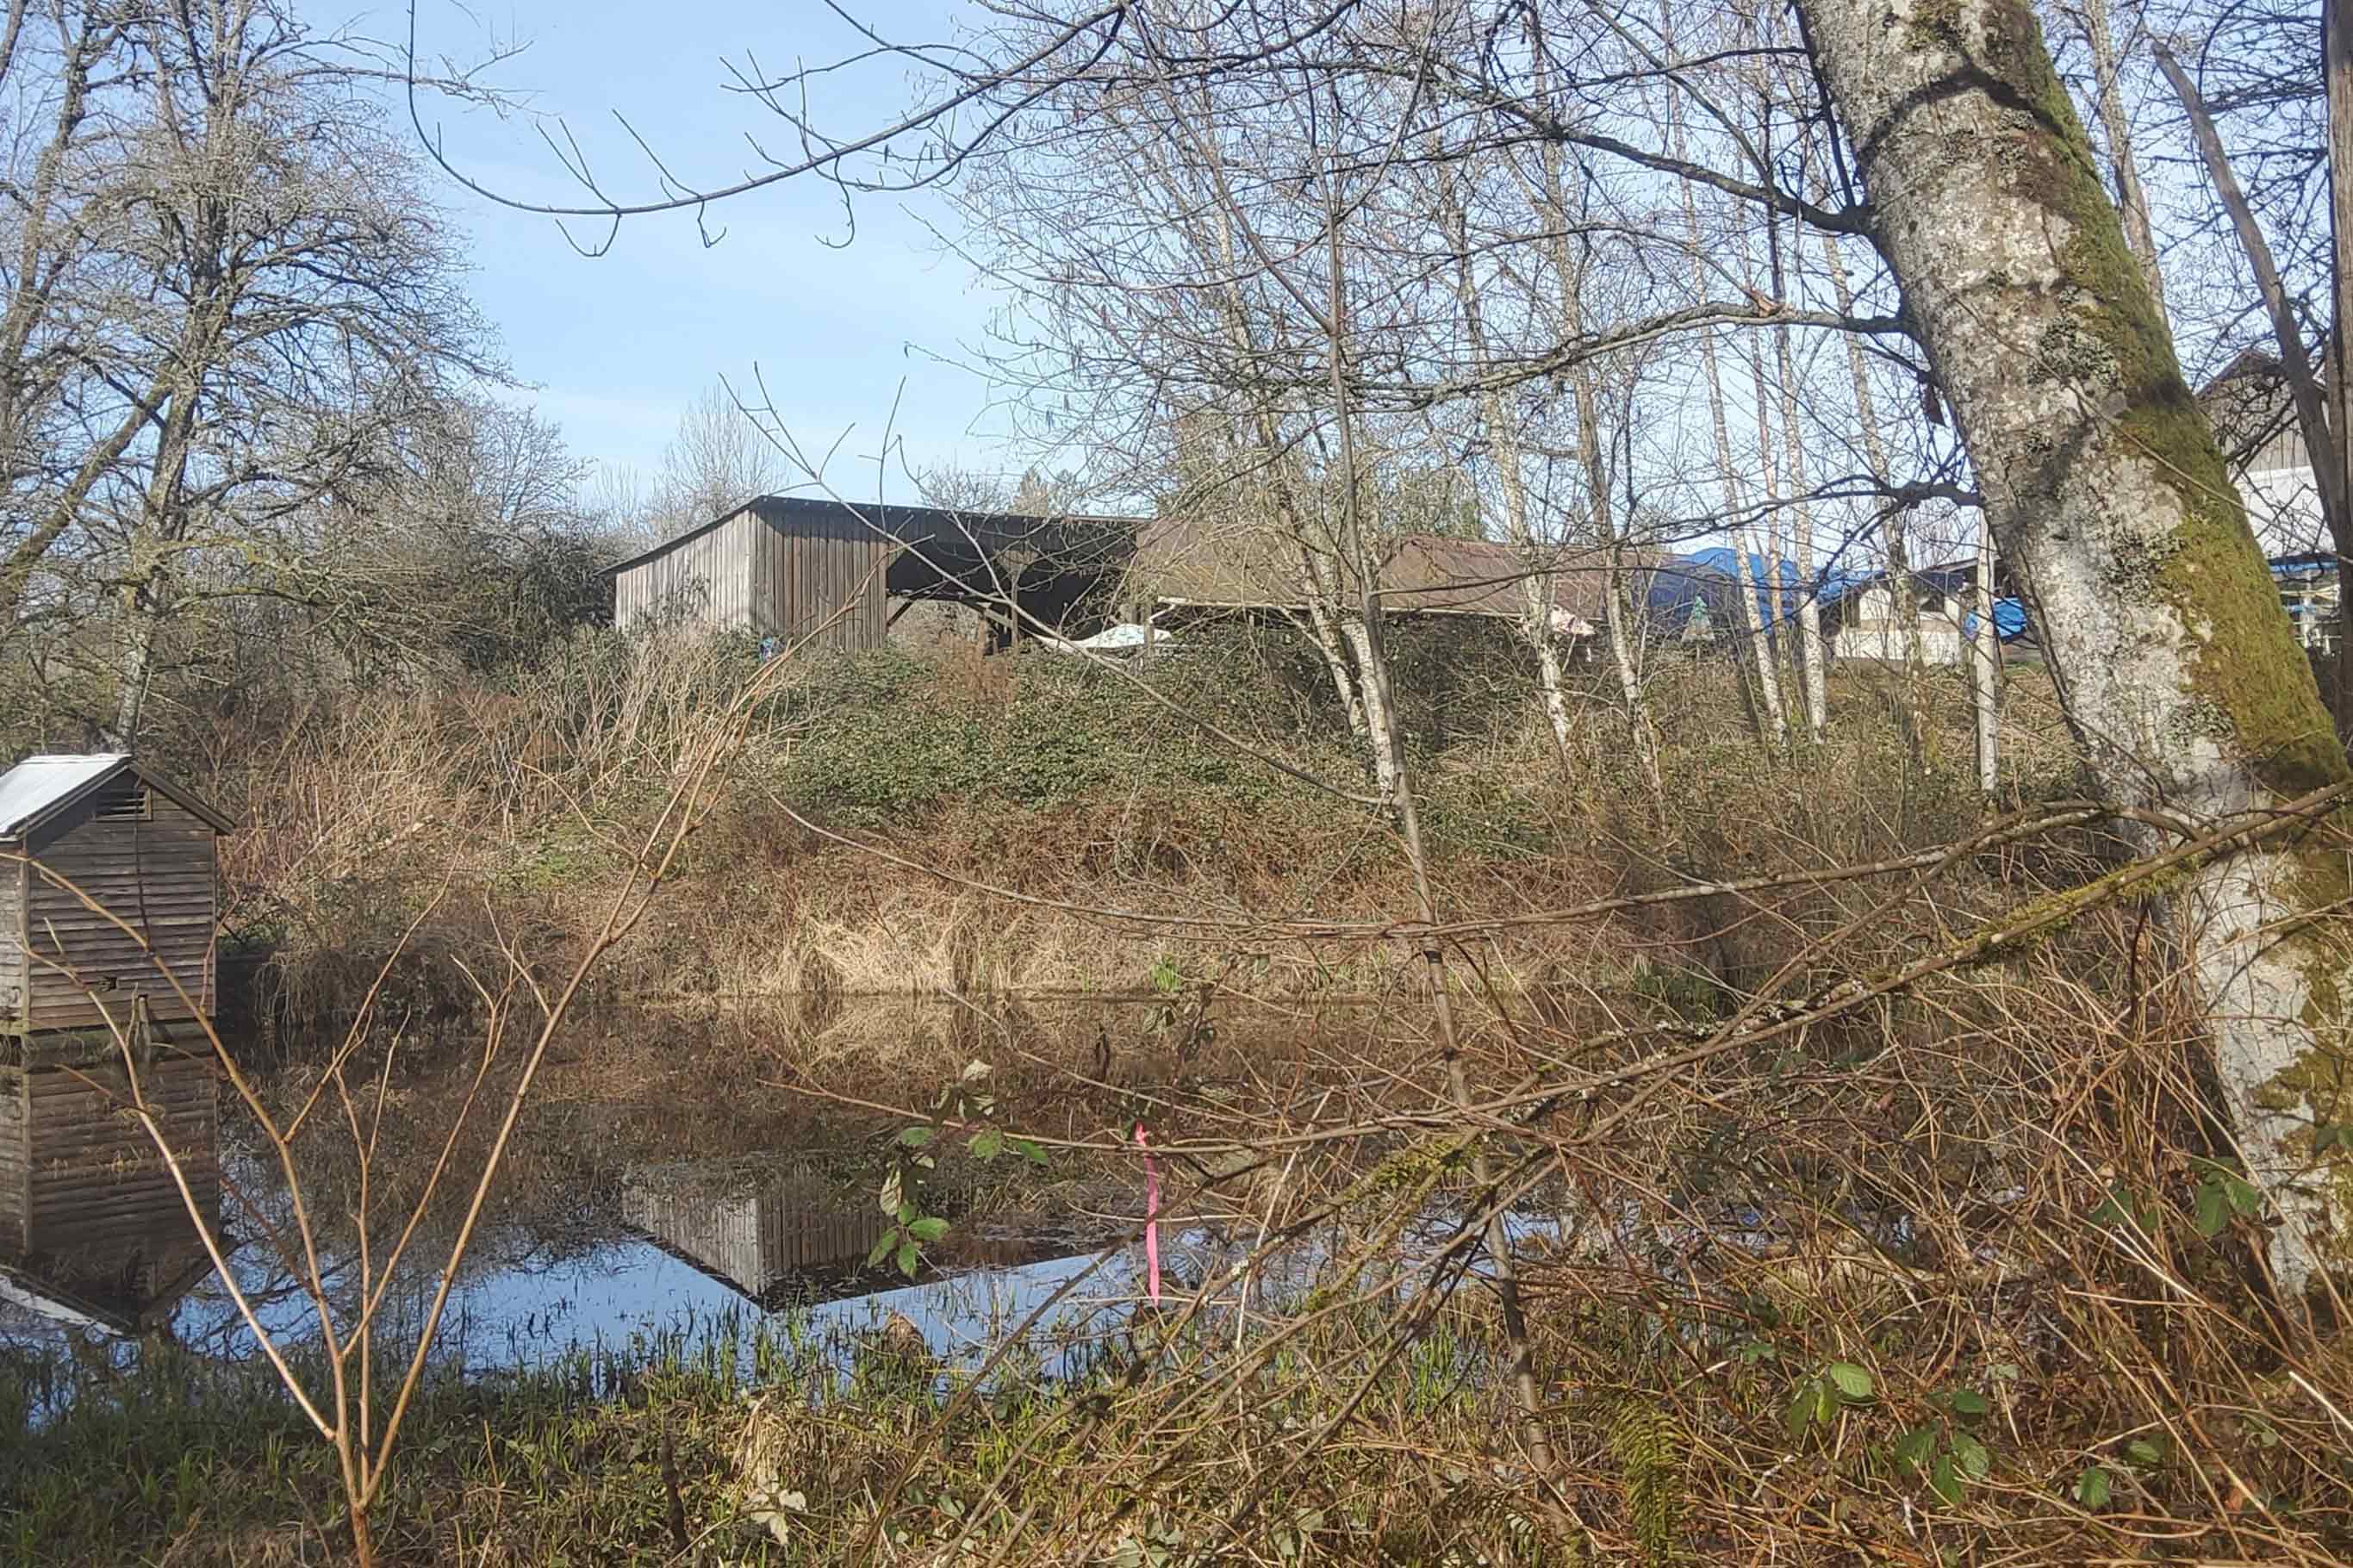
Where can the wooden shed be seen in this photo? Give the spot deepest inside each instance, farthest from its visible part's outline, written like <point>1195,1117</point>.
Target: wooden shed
<point>142,846</point>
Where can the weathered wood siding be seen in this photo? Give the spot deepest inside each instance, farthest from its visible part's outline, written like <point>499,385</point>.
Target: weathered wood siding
<point>702,581</point>
<point>753,1236</point>
<point>152,865</point>
<point>11,934</point>
<point>15,1157</point>
<point>809,572</point>
<point>93,1179</point>
<point>752,573</point>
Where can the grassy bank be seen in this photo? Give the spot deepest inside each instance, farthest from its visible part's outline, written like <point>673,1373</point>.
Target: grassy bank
<point>895,825</point>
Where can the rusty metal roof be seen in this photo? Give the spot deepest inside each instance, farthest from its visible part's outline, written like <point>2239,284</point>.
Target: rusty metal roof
<point>1427,574</point>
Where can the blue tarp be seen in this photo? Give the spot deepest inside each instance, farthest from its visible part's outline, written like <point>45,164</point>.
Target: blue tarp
<point>1706,575</point>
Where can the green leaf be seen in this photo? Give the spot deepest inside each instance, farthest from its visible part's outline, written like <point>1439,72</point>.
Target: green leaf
<point>1801,1408</point>
<point>987,1143</point>
<point>2244,1195</point>
<point>881,1249</point>
<point>1975,1461</point>
<point>907,1258</point>
<point>1968,1401</point>
<point>2117,1208</point>
<point>928,1229</point>
<point>2093,1488</point>
<point>1915,1448</point>
<point>2213,1208</point>
<point>2141,1451</point>
<point>916,1137</point>
<point>1826,1403</point>
<point>1851,1381</point>
<point>1944,1483</point>
<point>1033,1152</point>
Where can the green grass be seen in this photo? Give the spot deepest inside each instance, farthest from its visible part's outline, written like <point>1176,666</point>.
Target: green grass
<point>602,1455</point>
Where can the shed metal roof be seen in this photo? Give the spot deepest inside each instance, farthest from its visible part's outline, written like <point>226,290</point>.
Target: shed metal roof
<point>41,787</point>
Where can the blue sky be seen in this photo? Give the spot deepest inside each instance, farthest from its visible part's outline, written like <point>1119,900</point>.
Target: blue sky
<point>617,346</point>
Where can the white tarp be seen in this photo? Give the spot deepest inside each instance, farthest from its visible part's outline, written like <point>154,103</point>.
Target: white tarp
<point>1125,638</point>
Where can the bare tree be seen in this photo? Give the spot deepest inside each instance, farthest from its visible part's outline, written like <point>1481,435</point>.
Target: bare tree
<point>67,415</point>
<point>718,459</point>
<point>298,308</point>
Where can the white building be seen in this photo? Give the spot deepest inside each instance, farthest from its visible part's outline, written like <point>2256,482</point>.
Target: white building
<point>2255,423</point>
<point>1869,627</point>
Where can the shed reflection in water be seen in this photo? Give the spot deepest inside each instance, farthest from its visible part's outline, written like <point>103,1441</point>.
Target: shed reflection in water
<point>97,1252</point>
<point>94,1229</point>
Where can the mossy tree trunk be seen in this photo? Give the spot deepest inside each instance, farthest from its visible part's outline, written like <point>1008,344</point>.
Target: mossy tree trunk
<point>2180,675</point>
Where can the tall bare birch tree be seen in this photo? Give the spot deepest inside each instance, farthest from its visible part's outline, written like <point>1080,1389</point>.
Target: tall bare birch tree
<point>1745,552</point>
<point>299,307</point>
<point>1903,589</point>
<point>2093,18</point>
<point>2104,488</point>
<point>1984,655</point>
<point>1511,476</point>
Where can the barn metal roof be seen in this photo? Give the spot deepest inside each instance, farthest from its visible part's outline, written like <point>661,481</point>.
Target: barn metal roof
<point>915,526</point>
<point>41,786</point>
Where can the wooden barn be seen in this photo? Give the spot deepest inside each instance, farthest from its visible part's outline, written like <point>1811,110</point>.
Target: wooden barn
<point>765,1231</point>
<point>798,569</point>
<point>138,845</point>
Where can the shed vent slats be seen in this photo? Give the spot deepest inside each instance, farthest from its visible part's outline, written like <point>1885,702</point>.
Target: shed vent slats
<point>126,802</point>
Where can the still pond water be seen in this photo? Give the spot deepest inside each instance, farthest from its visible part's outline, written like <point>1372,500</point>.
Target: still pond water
<point>608,1237</point>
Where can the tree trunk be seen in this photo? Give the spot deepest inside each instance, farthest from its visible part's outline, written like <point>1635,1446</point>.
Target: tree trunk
<point>1809,610</point>
<point>1904,594</point>
<point>1504,435</point>
<point>2337,59</point>
<point>1367,633</point>
<point>1614,609</point>
<point>1769,685</point>
<point>1984,655</point>
<point>1552,202</point>
<point>1335,649</point>
<point>1780,620</point>
<point>161,528</point>
<point>2179,672</point>
<point>1537,587</point>
<point>1380,727</point>
<point>2321,445</point>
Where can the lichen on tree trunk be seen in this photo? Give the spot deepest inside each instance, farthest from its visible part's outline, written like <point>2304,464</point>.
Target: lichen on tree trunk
<point>2181,679</point>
